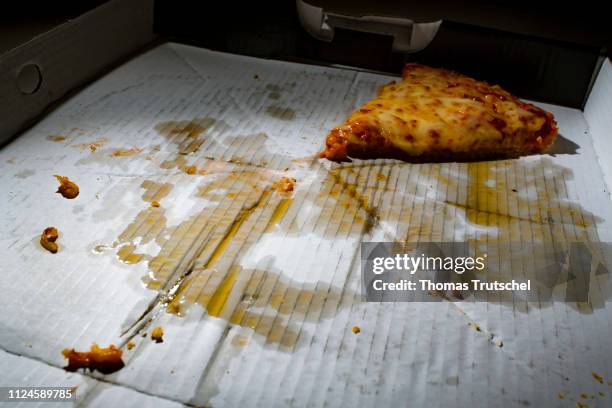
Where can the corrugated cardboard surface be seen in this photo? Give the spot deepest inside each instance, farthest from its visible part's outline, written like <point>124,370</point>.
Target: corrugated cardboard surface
<point>27,372</point>
<point>258,290</point>
<point>597,112</point>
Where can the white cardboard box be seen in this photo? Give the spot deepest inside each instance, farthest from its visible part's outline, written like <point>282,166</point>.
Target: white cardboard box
<point>267,311</point>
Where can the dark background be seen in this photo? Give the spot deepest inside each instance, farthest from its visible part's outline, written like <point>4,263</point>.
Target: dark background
<point>539,50</point>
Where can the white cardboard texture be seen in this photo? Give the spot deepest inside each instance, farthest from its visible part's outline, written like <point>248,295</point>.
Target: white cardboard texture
<point>31,373</point>
<point>266,284</point>
<point>598,111</point>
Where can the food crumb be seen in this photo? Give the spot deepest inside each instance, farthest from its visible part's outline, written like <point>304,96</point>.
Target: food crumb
<point>584,395</point>
<point>190,169</point>
<point>356,329</point>
<point>154,203</point>
<point>581,405</point>
<point>126,152</point>
<point>105,360</point>
<point>130,345</point>
<point>157,334</point>
<point>48,238</point>
<point>285,185</point>
<point>561,396</point>
<point>602,394</point>
<point>597,377</point>
<point>67,188</point>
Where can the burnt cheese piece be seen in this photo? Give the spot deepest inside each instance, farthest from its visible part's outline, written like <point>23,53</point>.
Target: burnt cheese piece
<point>105,360</point>
<point>438,115</point>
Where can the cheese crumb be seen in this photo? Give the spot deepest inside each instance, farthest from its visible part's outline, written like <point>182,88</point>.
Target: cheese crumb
<point>67,188</point>
<point>105,360</point>
<point>48,238</point>
<point>157,334</point>
<point>190,169</point>
<point>285,185</point>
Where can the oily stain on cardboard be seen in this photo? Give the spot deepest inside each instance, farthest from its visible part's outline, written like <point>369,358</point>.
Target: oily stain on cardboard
<point>193,145</point>
<point>188,135</point>
<point>527,202</point>
<point>211,283</point>
<point>483,203</point>
<point>253,190</point>
<point>274,91</point>
<point>280,112</point>
<point>248,208</point>
<point>497,200</point>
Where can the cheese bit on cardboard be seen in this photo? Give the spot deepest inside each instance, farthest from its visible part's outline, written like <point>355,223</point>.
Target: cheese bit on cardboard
<point>191,170</point>
<point>130,345</point>
<point>285,185</point>
<point>356,329</point>
<point>67,188</point>
<point>48,238</point>
<point>157,334</point>
<point>155,204</point>
<point>105,360</point>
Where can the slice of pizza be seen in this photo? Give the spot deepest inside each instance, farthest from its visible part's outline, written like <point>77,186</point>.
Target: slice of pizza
<point>438,115</point>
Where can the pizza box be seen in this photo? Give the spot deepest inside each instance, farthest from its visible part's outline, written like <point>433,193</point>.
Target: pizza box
<point>180,223</point>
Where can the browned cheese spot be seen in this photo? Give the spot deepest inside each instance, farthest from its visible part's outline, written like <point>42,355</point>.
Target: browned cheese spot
<point>67,188</point>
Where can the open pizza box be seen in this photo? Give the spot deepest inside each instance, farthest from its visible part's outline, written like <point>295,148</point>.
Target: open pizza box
<point>181,224</point>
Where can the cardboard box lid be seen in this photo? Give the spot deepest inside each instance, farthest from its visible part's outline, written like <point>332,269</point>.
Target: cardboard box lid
<point>41,71</point>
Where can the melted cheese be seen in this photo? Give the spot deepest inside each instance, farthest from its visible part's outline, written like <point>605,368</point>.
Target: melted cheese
<point>437,112</point>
